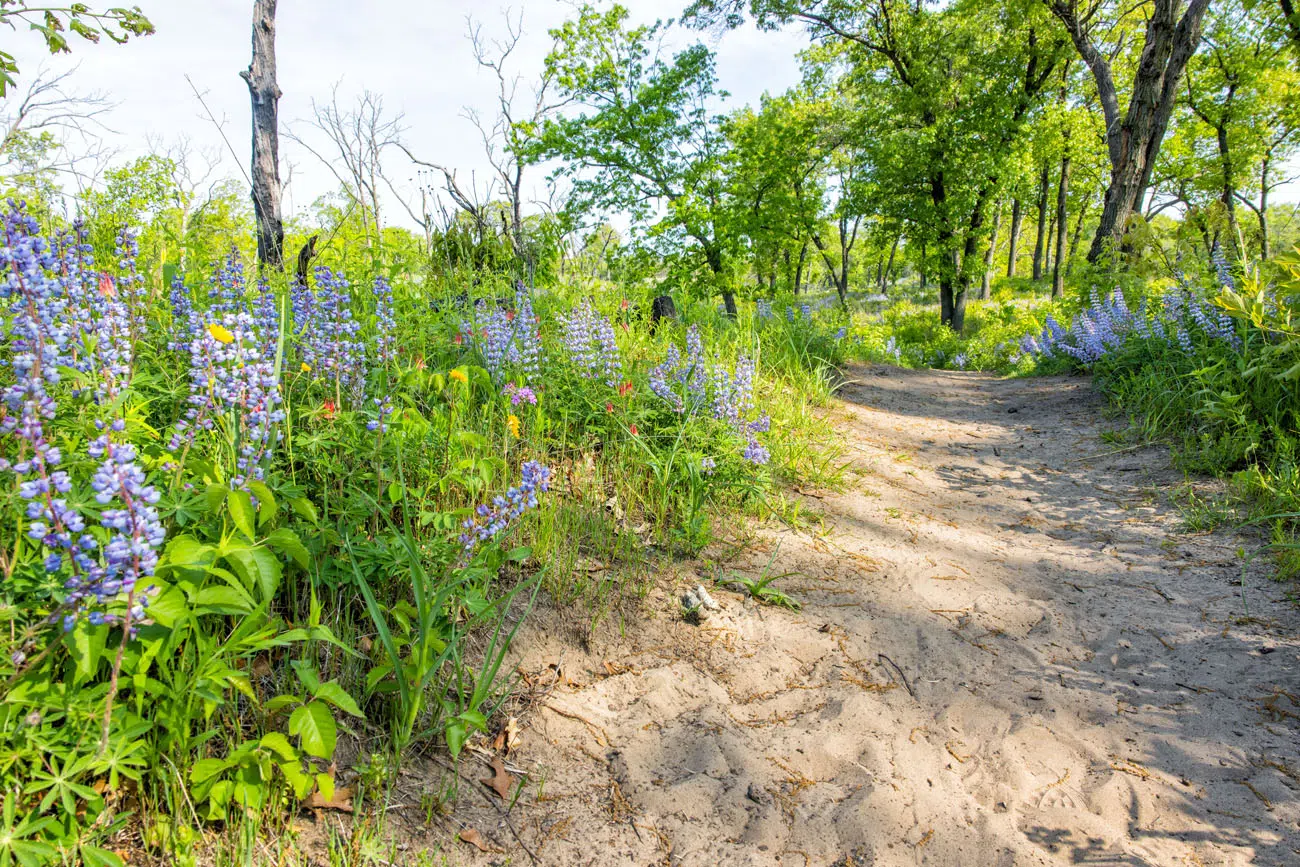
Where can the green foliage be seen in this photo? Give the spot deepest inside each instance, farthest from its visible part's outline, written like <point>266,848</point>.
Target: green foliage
<point>54,23</point>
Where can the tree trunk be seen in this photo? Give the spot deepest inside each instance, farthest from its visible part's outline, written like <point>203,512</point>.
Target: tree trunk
<point>798,270</point>
<point>1228,195</point>
<point>1074,242</point>
<point>265,96</point>
<point>921,267</point>
<point>1040,245</point>
<point>1262,213</point>
<point>889,268</point>
<point>1133,140</point>
<point>986,286</point>
<point>1016,216</point>
<point>1062,229</point>
<point>1292,22</point>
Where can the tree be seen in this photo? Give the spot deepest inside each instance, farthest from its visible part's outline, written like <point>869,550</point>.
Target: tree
<point>54,22</point>
<point>1133,138</point>
<point>516,120</point>
<point>264,92</point>
<point>1240,90</point>
<point>645,141</point>
<point>946,91</point>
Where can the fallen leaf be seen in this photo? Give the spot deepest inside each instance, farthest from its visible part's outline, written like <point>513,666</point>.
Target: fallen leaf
<point>342,800</point>
<point>512,735</point>
<point>502,781</point>
<point>262,666</point>
<point>365,644</point>
<point>475,839</point>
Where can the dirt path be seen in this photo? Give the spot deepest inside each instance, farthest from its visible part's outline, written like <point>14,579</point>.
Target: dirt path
<point>1082,683</point>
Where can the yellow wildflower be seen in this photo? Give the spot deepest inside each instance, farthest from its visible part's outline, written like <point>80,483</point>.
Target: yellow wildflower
<point>512,422</point>
<point>306,368</point>
<point>459,376</point>
<point>220,333</point>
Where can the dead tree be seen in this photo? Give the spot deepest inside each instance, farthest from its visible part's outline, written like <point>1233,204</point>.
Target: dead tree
<point>265,95</point>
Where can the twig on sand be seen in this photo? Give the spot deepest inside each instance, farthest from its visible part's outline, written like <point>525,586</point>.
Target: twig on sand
<point>1114,451</point>
<point>908,686</point>
<point>505,815</point>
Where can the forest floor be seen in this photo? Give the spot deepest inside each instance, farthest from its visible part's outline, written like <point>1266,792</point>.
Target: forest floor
<point>1009,653</point>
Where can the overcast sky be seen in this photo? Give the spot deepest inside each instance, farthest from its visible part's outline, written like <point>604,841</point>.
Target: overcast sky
<point>413,52</point>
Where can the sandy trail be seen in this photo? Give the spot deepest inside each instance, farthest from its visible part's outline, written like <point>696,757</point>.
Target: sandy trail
<point>1083,685</point>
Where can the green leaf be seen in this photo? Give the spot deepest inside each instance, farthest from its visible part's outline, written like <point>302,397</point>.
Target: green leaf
<point>313,725</point>
<point>304,509</point>
<point>337,696</point>
<point>286,541</point>
<point>241,511</point>
<point>168,607</point>
<point>299,780</point>
<point>325,783</point>
<point>266,505</point>
<point>257,568</point>
<point>279,744</point>
<point>224,599</point>
<point>216,497</point>
<point>93,856</point>
<point>206,769</point>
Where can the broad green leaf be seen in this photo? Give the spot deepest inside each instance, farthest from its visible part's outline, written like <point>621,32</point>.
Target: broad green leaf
<point>337,696</point>
<point>241,512</point>
<point>286,541</point>
<point>267,508</point>
<point>279,744</point>
<point>314,726</point>
<point>224,599</point>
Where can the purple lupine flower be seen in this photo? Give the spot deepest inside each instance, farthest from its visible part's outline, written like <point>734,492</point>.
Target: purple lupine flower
<point>184,319</point>
<point>589,339</point>
<point>332,349</point>
<point>383,409</point>
<point>707,466</point>
<point>960,361</point>
<point>233,376</point>
<point>763,309</point>
<point>385,324</point>
<point>489,521</point>
<point>526,345</point>
<point>755,453</point>
<point>1221,268</point>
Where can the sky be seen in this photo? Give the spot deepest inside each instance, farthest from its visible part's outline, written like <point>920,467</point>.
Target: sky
<point>414,53</point>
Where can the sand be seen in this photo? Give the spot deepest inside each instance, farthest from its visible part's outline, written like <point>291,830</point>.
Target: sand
<point>1009,653</point>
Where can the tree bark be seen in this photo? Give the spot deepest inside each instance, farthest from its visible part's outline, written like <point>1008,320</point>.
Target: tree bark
<point>1062,229</point>
<point>1292,21</point>
<point>1040,245</point>
<point>264,93</point>
<point>889,268</point>
<point>1133,140</point>
<point>1016,216</point>
<point>1262,213</point>
<point>986,286</point>
<point>1074,242</point>
<point>1228,195</point>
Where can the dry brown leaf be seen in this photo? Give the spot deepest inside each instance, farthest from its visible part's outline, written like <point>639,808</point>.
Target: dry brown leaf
<point>364,644</point>
<point>512,735</point>
<point>502,781</point>
<point>342,800</point>
<point>262,666</point>
<point>475,839</point>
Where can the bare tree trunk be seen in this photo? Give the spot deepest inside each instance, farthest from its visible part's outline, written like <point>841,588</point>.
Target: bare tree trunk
<point>1228,195</point>
<point>265,96</point>
<point>889,268</point>
<point>986,287</point>
<point>798,270</point>
<point>1062,228</point>
<point>1074,242</point>
<point>1017,214</point>
<point>1292,21</point>
<point>1262,213</point>
<point>1133,140</point>
<point>1040,246</point>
